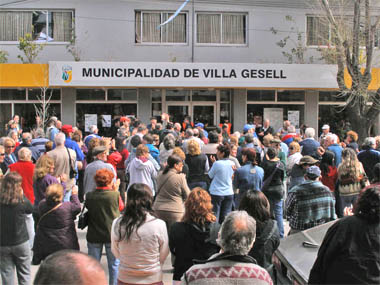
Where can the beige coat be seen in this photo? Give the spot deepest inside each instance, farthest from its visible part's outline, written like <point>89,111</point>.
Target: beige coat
<point>172,191</point>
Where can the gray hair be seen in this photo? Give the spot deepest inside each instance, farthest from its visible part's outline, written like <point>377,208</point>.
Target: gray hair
<point>12,132</point>
<point>25,154</point>
<point>309,132</point>
<point>93,128</point>
<point>40,133</point>
<point>52,121</point>
<point>291,129</point>
<point>333,138</point>
<point>169,142</point>
<point>369,141</point>
<point>237,233</point>
<point>60,139</point>
<point>189,132</point>
<point>196,132</point>
<point>26,137</point>
<point>177,126</point>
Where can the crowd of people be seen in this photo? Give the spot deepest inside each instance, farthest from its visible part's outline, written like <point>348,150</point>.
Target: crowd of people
<point>213,199</point>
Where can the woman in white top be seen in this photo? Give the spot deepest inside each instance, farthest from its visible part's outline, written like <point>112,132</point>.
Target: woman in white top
<point>294,156</point>
<point>139,239</point>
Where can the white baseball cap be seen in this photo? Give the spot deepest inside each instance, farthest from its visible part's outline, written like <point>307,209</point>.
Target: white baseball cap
<point>325,127</point>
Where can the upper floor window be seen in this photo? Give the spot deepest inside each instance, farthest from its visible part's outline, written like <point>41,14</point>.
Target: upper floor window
<point>45,26</point>
<point>221,28</point>
<point>147,30</point>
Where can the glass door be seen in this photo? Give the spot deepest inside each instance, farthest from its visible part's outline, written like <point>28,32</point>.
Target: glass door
<point>204,113</point>
<point>177,112</point>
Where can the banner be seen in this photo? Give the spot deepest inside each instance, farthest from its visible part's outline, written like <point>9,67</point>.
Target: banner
<point>175,74</point>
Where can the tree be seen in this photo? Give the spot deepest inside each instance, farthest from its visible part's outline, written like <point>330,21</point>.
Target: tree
<point>43,106</point>
<point>3,56</point>
<point>30,48</point>
<point>362,106</point>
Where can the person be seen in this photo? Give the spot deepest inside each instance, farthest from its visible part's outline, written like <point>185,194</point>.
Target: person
<point>53,128</point>
<point>198,165</point>
<point>309,204</point>
<point>14,246</point>
<point>154,152</point>
<point>274,174</point>
<point>93,134</point>
<point>100,154</point>
<point>351,179</point>
<point>172,191</point>
<point>70,267</point>
<point>103,207</point>
<point>369,156</point>
<point>256,204</point>
<point>351,246</point>
<point>141,169</point>
<point>3,167</point>
<point>248,177</point>
<point>329,170</point>
<point>332,145</point>
<point>325,133</point>
<point>210,149</point>
<point>9,157</point>
<point>39,141</point>
<point>56,227</point>
<point>233,155</point>
<point>233,265</point>
<point>299,169</point>
<point>69,143</point>
<point>351,140</point>
<point>221,189</point>
<point>27,142</point>
<point>294,156</point>
<point>166,148</point>
<point>139,239</point>
<point>309,145</point>
<point>195,236</point>
<point>189,133</point>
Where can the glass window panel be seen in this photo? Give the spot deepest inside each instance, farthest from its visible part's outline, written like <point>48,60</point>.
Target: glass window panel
<point>204,95</point>
<point>330,96</point>
<point>335,117</point>
<point>174,31</point>
<point>177,95</point>
<point>225,113</point>
<point>157,110</point>
<point>233,29</point>
<point>27,114</point>
<point>204,114</point>
<point>12,94</point>
<point>254,111</point>
<point>209,28</point>
<point>156,95</point>
<point>15,24</point>
<point>5,116</point>
<point>261,95</point>
<point>122,94</point>
<point>60,26</point>
<point>115,110</point>
<point>178,113</point>
<point>40,29</point>
<point>290,95</point>
<point>35,94</point>
<point>225,95</point>
<point>317,31</point>
<point>91,94</point>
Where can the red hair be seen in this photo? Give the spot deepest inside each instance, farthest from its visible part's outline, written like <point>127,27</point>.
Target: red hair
<point>103,177</point>
<point>198,207</point>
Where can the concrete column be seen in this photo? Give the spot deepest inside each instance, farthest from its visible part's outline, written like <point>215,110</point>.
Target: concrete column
<point>311,109</point>
<point>239,108</point>
<point>144,105</point>
<point>68,108</point>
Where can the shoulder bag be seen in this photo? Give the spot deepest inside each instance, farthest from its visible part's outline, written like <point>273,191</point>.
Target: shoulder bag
<point>83,218</point>
<point>48,212</point>
<point>73,172</point>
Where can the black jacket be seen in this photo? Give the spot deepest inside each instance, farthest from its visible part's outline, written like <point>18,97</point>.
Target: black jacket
<point>349,254</point>
<point>189,241</point>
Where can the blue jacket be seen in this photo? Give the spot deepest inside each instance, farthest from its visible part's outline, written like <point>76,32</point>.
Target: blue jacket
<point>249,177</point>
<point>309,146</point>
<point>369,158</point>
<point>69,143</point>
<point>154,152</point>
<point>337,150</point>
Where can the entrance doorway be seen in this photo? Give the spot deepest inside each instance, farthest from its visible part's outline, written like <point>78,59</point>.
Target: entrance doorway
<point>200,112</point>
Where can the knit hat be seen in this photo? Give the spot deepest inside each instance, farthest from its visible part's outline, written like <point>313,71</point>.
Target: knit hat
<point>313,172</point>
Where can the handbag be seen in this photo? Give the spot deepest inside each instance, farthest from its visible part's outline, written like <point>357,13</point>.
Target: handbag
<point>73,173</point>
<point>275,193</point>
<point>83,219</point>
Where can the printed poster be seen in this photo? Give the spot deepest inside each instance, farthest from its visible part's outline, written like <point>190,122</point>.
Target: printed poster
<point>275,117</point>
<point>106,121</point>
<point>294,118</point>
<point>89,120</point>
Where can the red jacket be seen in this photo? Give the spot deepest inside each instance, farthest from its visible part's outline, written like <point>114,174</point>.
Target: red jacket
<point>330,178</point>
<point>26,170</point>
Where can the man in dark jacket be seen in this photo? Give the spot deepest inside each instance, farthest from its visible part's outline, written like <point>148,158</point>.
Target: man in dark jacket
<point>27,142</point>
<point>369,156</point>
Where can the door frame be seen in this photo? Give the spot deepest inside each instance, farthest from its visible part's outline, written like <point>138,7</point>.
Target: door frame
<point>205,103</point>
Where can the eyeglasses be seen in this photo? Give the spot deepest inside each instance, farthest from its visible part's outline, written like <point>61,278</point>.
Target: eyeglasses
<point>291,148</point>
<point>9,146</point>
<point>2,154</point>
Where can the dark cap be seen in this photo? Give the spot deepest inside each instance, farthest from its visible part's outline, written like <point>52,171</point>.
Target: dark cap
<point>98,150</point>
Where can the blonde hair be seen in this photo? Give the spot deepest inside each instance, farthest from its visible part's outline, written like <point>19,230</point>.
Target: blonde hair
<point>350,165</point>
<point>25,154</point>
<point>43,165</point>
<point>54,194</point>
<point>267,139</point>
<point>193,148</point>
<point>295,146</point>
<point>178,151</point>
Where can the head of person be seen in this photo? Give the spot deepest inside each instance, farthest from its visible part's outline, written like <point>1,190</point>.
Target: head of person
<point>196,132</point>
<point>44,166</point>
<point>193,148</point>
<point>294,147</point>
<point>234,140</point>
<point>376,173</point>
<point>52,121</point>
<point>234,149</point>
<point>178,151</point>
<point>169,142</point>
<point>156,140</point>
<point>70,267</point>
<point>2,153</point>
<point>16,118</point>
<point>9,144</point>
<point>60,139</point>
<point>249,155</point>
<point>174,162</point>
<point>351,136</point>
<point>120,143</point>
<point>272,153</point>
<point>170,126</point>
<point>40,133</point>
<point>103,178</point>
<point>177,127</point>
<point>94,129</point>
<point>328,159</point>
<point>136,141</point>
<point>13,135</point>
<point>223,151</point>
<point>59,124</point>
<point>142,129</point>
<point>325,129</point>
<point>139,203</point>
<point>292,129</point>
<point>368,205</point>
<point>153,121</point>
<point>237,233</point>
<point>26,138</point>
<point>25,154</point>
<point>54,194</point>
<point>213,137</point>
<point>369,142</point>
<point>275,143</point>
<point>256,204</point>
<point>189,133</point>
<point>198,208</point>
<point>267,140</point>
<point>142,150</point>
<point>249,138</point>
<point>100,152</point>
<point>306,161</point>
<point>313,173</point>
<point>48,146</point>
<point>11,192</point>
<point>309,133</point>
<point>266,123</point>
<point>67,130</point>
<point>350,165</point>
<point>148,139</point>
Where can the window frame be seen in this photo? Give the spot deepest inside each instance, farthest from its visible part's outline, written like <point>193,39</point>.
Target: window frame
<point>47,11</point>
<point>161,43</point>
<point>245,14</point>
